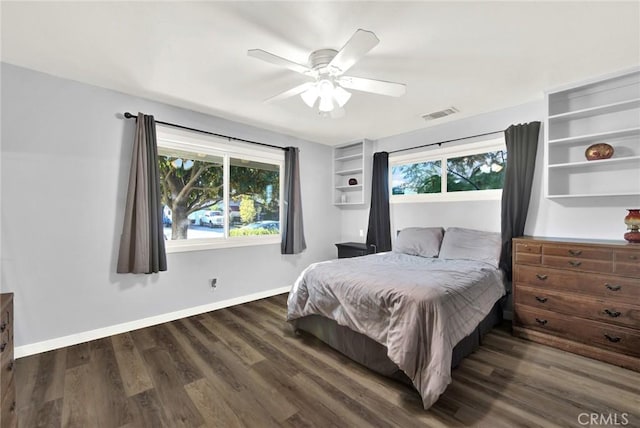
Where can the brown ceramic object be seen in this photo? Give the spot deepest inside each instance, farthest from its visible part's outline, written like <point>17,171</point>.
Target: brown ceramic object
<point>598,151</point>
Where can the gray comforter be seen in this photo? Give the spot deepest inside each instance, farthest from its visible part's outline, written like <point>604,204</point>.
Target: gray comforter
<point>419,308</point>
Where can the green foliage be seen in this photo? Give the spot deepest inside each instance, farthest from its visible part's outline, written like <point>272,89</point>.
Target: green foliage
<point>252,232</point>
<point>194,188</point>
<point>474,172</point>
<point>247,209</point>
<point>189,185</point>
<point>423,177</point>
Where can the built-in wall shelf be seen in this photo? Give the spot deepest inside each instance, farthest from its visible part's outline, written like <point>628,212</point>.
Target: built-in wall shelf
<point>349,171</point>
<point>351,162</point>
<point>600,110</point>
<point>579,139</point>
<point>605,109</point>
<point>356,188</point>
<point>607,163</point>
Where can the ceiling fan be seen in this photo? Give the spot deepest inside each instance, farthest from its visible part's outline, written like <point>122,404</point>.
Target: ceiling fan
<point>326,68</point>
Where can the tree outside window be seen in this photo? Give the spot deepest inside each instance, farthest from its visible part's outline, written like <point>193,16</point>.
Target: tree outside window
<point>463,173</point>
<point>192,191</point>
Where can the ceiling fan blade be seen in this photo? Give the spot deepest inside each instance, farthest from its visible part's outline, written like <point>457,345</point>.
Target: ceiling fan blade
<point>381,87</point>
<point>277,60</point>
<point>290,93</point>
<point>359,44</point>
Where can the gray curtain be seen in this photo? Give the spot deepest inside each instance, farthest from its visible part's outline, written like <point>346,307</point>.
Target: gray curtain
<point>379,231</point>
<point>292,228</point>
<point>142,240</point>
<point>522,145</point>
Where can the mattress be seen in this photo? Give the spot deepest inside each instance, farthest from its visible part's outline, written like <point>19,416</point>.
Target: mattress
<point>417,308</point>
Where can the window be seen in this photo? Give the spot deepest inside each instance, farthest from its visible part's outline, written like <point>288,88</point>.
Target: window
<point>466,172</point>
<point>217,193</point>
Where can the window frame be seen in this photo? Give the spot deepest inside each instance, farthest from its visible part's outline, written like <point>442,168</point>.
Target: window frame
<point>191,141</point>
<point>443,154</point>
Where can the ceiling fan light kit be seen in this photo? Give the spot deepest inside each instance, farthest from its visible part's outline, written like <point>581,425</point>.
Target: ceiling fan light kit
<point>326,67</point>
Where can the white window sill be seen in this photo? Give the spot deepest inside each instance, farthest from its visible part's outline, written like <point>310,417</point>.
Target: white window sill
<point>180,246</point>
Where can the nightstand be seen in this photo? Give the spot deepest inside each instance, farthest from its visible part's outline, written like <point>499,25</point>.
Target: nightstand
<point>351,249</point>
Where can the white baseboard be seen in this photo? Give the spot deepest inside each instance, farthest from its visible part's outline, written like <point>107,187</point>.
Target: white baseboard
<point>85,336</point>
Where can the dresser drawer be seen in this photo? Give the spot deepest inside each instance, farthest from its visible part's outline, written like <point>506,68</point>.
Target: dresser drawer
<point>602,335</point>
<point>627,262</point>
<point>587,265</point>
<point>578,252</point>
<point>528,248</point>
<point>529,259</point>
<point>8,408</point>
<point>606,286</point>
<point>604,310</point>
<point>6,334</point>
<point>6,372</point>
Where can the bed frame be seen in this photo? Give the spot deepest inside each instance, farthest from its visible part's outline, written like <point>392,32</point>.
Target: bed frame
<point>373,355</point>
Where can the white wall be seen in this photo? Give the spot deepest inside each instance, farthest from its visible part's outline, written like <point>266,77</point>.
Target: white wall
<point>64,168</point>
<point>597,218</point>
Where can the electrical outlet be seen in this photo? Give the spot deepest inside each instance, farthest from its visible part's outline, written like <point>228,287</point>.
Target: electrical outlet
<point>361,233</point>
<point>213,282</point>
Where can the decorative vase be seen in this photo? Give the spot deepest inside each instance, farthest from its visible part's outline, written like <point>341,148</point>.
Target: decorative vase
<point>632,220</point>
<point>353,182</point>
<point>598,151</point>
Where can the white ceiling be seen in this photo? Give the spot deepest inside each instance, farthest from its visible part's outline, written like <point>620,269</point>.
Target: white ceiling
<point>477,56</point>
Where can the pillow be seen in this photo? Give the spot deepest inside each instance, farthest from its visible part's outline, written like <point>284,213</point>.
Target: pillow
<point>419,241</point>
<point>470,244</point>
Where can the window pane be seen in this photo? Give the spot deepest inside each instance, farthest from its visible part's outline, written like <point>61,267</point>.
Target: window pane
<point>411,179</point>
<point>254,198</point>
<point>476,172</point>
<point>191,187</point>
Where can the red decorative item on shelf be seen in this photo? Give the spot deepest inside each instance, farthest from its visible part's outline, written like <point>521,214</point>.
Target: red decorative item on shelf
<point>353,182</point>
<point>632,220</point>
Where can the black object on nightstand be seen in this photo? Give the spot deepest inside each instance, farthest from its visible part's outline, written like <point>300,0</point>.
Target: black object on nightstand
<point>351,249</point>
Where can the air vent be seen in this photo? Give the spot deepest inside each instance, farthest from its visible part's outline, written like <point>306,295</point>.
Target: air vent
<point>439,114</point>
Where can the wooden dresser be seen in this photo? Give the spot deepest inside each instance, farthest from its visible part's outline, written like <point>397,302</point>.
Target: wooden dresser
<point>8,411</point>
<point>578,295</point>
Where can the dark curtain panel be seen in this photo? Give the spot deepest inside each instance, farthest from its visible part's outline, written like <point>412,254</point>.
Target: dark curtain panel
<point>379,231</point>
<point>142,240</point>
<point>292,228</point>
<point>522,145</point>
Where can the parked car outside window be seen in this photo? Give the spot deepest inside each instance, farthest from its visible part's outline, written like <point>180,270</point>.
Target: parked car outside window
<point>212,219</point>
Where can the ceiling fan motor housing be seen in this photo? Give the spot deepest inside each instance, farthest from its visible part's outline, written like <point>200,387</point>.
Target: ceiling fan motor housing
<point>321,58</point>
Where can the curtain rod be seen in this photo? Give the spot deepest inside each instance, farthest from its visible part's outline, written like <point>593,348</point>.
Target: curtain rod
<point>446,141</point>
<point>128,115</point>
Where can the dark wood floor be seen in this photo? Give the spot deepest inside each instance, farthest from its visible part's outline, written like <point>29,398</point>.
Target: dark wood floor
<point>243,367</point>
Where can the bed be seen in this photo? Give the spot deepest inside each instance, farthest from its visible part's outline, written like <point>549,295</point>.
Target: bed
<point>410,313</point>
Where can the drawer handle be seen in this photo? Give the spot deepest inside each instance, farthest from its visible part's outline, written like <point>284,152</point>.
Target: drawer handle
<point>10,365</point>
<point>575,263</point>
<point>541,277</point>
<point>633,257</point>
<point>614,339</point>
<point>575,252</point>
<point>613,287</point>
<point>13,406</point>
<point>541,322</point>
<point>541,299</point>
<point>3,346</point>
<point>3,326</point>
<point>612,313</point>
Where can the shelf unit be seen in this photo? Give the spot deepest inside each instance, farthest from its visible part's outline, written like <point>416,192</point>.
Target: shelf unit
<point>352,160</point>
<point>601,110</point>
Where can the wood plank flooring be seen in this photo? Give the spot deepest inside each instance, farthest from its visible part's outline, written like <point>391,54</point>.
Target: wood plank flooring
<point>244,367</point>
